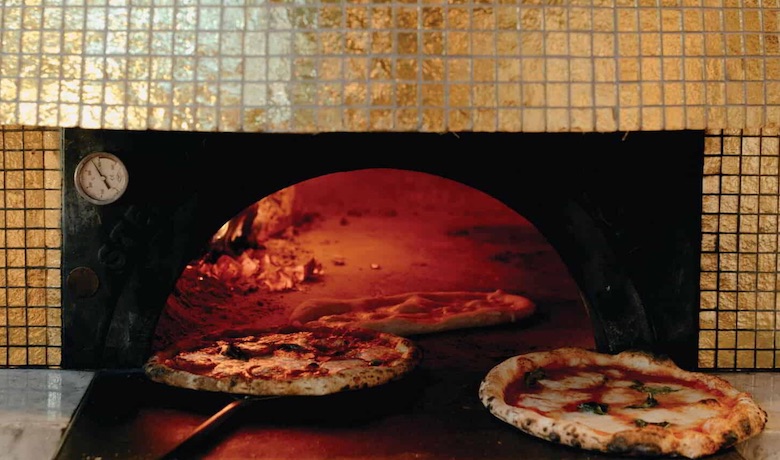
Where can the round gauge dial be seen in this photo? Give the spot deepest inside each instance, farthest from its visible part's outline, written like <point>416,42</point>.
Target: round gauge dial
<point>101,178</point>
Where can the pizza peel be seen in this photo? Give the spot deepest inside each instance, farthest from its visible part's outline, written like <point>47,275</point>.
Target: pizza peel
<point>341,407</point>
<point>312,399</point>
<point>207,430</point>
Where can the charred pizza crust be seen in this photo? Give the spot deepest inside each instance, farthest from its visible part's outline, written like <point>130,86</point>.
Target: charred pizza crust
<point>417,312</point>
<point>631,403</point>
<point>285,361</point>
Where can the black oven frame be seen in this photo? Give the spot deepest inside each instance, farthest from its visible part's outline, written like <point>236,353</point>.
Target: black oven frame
<point>622,209</point>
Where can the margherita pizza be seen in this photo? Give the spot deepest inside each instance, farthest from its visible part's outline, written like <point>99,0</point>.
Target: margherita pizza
<point>416,313</point>
<point>631,403</point>
<point>285,361</point>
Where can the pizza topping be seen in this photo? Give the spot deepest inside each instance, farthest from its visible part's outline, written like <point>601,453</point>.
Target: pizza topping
<point>649,402</point>
<point>530,378</point>
<point>641,423</point>
<point>624,403</point>
<point>612,393</point>
<point>586,379</point>
<point>291,347</point>
<point>232,351</point>
<point>289,354</point>
<point>709,402</point>
<point>594,407</point>
<point>639,386</point>
<point>195,362</point>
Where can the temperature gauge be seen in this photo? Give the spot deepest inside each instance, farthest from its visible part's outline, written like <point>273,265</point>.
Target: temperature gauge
<point>101,178</point>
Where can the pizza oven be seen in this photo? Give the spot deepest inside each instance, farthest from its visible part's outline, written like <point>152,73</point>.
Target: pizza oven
<point>601,231</point>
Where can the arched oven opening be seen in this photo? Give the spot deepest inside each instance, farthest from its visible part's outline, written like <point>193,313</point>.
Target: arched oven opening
<point>601,231</point>
<point>378,237</point>
<point>621,211</point>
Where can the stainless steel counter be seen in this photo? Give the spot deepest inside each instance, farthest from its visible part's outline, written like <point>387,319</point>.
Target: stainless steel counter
<point>35,408</point>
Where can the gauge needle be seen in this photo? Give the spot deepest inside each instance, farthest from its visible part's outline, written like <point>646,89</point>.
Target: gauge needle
<point>100,173</point>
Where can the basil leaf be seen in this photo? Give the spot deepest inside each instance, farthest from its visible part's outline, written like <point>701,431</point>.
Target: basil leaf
<point>530,378</point>
<point>594,407</point>
<point>641,423</point>
<point>639,386</point>
<point>649,402</point>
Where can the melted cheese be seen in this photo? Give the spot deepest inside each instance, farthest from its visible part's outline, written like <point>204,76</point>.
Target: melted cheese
<point>201,358</point>
<point>559,395</point>
<point>686,396</point>
<point>576,381</point>
<point>551,401</point>
<point>619,396</point>
<point>691,417</point>
<point>284,355</point>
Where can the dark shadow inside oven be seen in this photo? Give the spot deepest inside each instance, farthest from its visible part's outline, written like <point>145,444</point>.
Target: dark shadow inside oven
<point>601,230</point>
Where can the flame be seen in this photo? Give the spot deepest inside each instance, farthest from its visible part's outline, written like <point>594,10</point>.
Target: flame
<point>241,232</point>
<point>260,221</point>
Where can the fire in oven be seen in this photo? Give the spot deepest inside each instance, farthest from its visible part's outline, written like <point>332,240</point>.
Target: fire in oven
<point>344,295</point>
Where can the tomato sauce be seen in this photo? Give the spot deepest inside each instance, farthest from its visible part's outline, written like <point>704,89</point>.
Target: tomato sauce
<point>309,347</point>
<point>190,366</point>
<point>524,385</point>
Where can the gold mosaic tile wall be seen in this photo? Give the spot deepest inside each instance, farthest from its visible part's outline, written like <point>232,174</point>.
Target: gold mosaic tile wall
<point>30,247</point>
<point>739,316</point>
<point>420,65</point>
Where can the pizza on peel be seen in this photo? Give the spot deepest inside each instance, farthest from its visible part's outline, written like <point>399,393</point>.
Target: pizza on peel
<point>285,361</point>
<point>630,403</point>
<point>416,312</point>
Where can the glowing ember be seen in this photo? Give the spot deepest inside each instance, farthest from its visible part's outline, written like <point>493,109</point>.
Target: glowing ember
<point>248,272</point>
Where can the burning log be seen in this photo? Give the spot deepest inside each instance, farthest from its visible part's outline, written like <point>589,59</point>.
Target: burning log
<point>254,225</point>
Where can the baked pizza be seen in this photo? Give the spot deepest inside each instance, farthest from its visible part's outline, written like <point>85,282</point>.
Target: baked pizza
<point>417,312</point>
<point>285,361</point>
<point>630,403</point>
